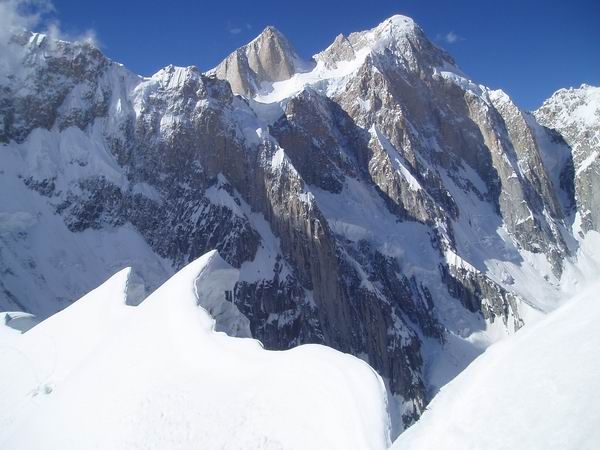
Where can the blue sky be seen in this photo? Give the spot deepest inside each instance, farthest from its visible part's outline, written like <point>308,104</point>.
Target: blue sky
<point>528,48</point>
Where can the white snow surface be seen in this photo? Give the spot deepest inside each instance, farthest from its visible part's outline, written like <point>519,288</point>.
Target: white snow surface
<point>538,389</point>
<point>105,375</point>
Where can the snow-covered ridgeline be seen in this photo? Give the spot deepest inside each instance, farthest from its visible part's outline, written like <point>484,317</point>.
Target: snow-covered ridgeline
<point>176,381</point>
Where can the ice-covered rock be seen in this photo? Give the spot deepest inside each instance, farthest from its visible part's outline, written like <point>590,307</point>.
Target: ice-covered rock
<point>575,114</point>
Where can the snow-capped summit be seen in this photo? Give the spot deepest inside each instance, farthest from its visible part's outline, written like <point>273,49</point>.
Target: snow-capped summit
<point>397,34</point>
<point>267,58</point>
<point>398,42</point>
<point>570,105</point>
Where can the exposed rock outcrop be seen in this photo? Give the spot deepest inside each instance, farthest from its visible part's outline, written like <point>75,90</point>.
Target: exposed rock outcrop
<point>270,57</point>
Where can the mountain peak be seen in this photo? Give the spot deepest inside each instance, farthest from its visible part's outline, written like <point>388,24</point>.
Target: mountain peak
<point>267,58</point>
<point>269,33</point>
<point>398,34</point>
<point>402,35</point>
<point>573,105</point>
<point>399,22</point>
<point>271,30</point>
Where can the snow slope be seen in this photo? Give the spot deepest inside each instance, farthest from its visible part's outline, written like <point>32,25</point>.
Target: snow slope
<point>102,374</point>
<point>538,389</point>
<point>45,263</point>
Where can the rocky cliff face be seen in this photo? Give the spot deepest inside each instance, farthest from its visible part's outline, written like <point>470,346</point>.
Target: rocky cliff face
<point>376,201</point>
<point>268,58</point>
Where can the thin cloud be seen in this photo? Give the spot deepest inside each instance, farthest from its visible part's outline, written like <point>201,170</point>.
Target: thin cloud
<point>451,37</point>
<point>36,15</point>
<point>237,29</point>
<point>89,36</point>
<point>16,16</point>
<point>33,15</point>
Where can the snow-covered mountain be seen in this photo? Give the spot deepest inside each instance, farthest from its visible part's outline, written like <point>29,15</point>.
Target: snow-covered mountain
<point>538,389</point>
<point>107,374</point>
<point>575,115</point>
<point>373,199</point>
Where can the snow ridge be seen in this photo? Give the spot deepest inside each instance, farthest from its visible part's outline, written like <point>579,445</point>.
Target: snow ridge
<point>177,382</point>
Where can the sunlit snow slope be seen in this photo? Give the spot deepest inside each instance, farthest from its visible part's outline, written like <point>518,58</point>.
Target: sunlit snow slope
<point>102,374</point>
<point>539,389</point>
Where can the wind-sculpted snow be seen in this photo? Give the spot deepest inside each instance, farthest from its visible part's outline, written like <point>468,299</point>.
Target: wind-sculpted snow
<point>106,375</point>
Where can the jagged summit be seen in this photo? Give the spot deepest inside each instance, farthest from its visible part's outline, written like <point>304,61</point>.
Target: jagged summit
<point>398,34</point>
<point>391,31</point>
<point>270,32</point>
<point>269,70</point>
<point>271,58</point>
<point>583,105</point>
<point>267,58</point>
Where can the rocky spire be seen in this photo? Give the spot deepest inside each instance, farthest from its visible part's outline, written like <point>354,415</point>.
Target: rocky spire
<point>269,57</point>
